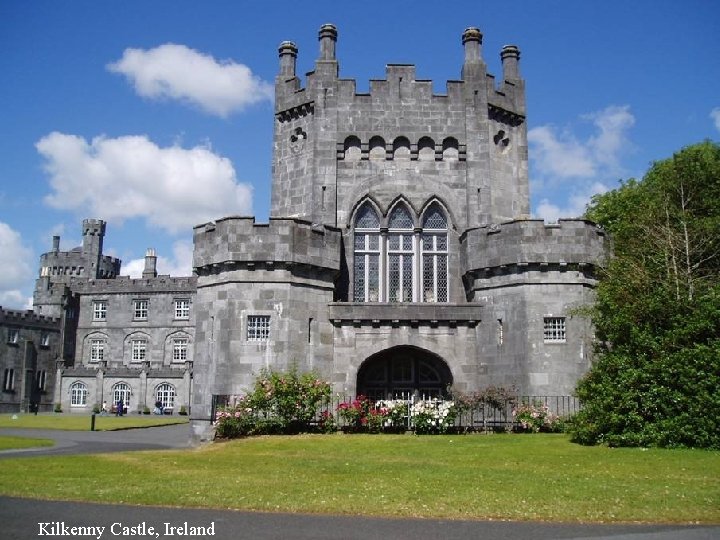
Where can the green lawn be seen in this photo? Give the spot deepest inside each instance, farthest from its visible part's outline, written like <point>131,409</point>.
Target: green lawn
<point>8,443</point>
<point>527,477</point>
<point>81,422</point>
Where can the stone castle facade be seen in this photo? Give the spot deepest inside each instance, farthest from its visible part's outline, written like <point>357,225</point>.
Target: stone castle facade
<point>399,257</point>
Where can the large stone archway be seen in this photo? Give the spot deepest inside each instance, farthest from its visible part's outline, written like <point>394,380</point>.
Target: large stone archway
<point>399,372</point>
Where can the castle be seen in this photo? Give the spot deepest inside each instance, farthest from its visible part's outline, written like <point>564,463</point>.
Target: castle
<point>399,257</point>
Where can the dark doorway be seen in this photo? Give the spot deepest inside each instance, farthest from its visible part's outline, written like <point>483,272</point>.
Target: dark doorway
<point>400,372</point>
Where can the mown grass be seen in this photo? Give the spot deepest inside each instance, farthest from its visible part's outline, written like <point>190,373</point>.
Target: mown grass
<point>536,477</point>
<point>12,443</point>
<point>81,422</point>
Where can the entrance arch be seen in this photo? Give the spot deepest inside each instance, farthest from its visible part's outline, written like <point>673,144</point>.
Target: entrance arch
<point>399,372</point>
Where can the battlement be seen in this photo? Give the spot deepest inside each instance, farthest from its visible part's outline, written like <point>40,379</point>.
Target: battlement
<point>400,86</point>
<point>126,284</point>
<point>523,242</point>
<point>74,263</point>
<point>27,317</point>
<point>94,227</point>
<point>283,240</point>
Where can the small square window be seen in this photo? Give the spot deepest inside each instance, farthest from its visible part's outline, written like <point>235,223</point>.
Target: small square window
<point>45,340</point>
<point>140,310</point>
<point>554,329</point>
<point>182,309</point>
<point>99,310</point>
<point>258,327</point>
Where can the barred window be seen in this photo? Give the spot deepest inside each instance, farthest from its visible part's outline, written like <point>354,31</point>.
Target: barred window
<point>139,349</point>
<point>140,309</point>
<point>99,310</point>
<point>258,327</point>
<point>182,308</point>
<point>180,349</point>
<point>554,329</point>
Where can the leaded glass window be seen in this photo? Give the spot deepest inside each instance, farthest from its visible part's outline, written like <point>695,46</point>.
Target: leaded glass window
<point>403,263</point>
<point>401,255</point>
<point>434,255</point>
<point>366,270</point>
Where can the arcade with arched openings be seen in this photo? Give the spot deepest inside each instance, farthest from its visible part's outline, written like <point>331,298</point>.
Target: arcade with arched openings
<point>403,371</point>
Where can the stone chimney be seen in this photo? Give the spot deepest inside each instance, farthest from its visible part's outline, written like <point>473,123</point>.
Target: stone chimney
<point>288,57</point>
<point>328,38</point>
<point>510,56</point>
<point>150,270</point>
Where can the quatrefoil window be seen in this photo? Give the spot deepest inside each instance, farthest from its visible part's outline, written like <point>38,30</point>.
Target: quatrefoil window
<point>501,140</point>
<point>298,135</point>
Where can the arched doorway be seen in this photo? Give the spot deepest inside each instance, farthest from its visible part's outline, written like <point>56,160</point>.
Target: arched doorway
<point>399,372</point>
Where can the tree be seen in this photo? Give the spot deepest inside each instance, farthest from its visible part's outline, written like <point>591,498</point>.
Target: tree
<point>656,380</point>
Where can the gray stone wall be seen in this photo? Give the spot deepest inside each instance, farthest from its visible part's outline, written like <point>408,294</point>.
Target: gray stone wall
<point>29,346</point>
<point>316,178</point>
<point>120,326</point>
<point>285,271</point>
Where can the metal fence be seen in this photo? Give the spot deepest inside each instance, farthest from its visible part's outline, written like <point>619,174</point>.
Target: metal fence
<point>480,416</point>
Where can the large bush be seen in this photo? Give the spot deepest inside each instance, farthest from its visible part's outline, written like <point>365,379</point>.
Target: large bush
<point>280,402</point>
<point>656,381</point>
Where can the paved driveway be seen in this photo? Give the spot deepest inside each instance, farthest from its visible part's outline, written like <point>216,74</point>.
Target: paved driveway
<point>94,442</point>
<point>24,519</point>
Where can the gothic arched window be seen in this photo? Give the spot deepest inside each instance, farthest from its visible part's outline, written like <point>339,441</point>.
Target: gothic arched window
<point>366,273</point>
<point>434,255</point>
<point>400,255</point>
<point>403,263</point>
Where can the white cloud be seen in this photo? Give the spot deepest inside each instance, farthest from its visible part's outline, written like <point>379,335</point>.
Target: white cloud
<point>129,177</point>
<point>179,265</point>
<point>15,260</point>
<point>560,155</point>
<point>715,115</point>
<point>573,207</point>
<point>178,72</point>
<point>575,168</point>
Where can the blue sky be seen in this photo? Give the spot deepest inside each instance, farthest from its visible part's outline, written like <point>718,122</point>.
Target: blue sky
<point>101,115</point>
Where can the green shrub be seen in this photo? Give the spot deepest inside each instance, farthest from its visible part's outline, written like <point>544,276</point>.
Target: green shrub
<point>280,402</point>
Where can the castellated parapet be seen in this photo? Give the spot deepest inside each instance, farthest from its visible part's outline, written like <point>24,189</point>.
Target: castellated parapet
<point>333,145</point>
<point>126,284</point>
<point>235,241</point>
<point>526,242</point>
<point>29,318</point>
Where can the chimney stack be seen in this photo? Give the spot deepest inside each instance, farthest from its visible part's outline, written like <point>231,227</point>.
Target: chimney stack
<point>150,264</point>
